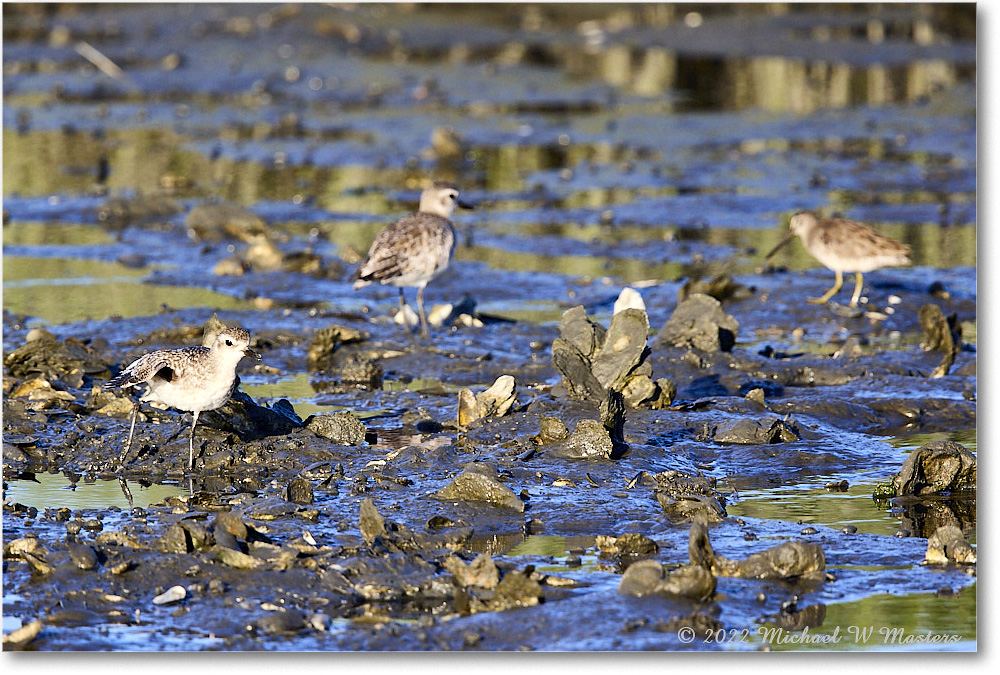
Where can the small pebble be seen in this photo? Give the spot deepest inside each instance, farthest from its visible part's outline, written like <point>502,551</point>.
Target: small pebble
<point>809,530</point>
<point>849,529</point>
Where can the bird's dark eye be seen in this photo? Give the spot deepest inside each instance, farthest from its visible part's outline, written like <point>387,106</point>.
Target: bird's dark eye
<point>229,343</point>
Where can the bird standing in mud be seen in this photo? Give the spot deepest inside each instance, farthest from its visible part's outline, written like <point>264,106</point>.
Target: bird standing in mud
<point>414,249</point>
<point>191,379</point>
<point>844,246</point>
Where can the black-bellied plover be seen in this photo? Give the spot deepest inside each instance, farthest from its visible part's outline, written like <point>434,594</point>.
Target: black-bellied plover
<point>192,379</point>
<point>844,246</point>
<point>414,249</point>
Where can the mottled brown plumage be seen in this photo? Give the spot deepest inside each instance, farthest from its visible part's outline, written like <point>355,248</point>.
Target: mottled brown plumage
<point>414,249</point>
<point>192,379</point>
<point>844,245</point>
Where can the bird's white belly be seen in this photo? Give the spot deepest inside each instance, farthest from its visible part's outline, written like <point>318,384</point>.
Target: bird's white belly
<point>207,396</point>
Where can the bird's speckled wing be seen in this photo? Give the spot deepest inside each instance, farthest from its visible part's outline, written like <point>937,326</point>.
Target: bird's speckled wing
<point>853,240</point>
<point>414,245</point>
<point>146,367</point>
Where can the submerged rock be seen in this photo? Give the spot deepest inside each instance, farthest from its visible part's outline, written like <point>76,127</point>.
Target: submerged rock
<point>689,498</point>
<point>479,483</point>
<point>700,322</point>
<point>694,581</point>
<point>753,432</point>
<point>721,287</point>
<point>497,401</point>
<point>936,467</point>
<point>629,544</point>
<point>119,212</point>
<point>648,577</point>
<point>788,560</point>
<point>214,222</point>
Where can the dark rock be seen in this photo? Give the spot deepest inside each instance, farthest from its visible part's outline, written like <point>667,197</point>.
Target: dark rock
<point>552,430</point>
<point>575,369</point>
<point>754,432</point>
<point>242,416</point>
<point>478,483</point>
<point>119,212</point>
<point>83,556</point>
<point>326,342</point>
<point>360,371</point>
<point>940,334</point>
<point>935,467</point>
<point>516,589</point>
<point>371,522</point>
<point>685,497</point>
<point>691,507</point>
<point>788,560</point>
<point>300,491</point>
<point>629,544</point>
<point>215,222</point>
<point>51,359</point>
<point>341,427</point>
<point>590,440</point>
<point>173,540</point>
<point>700,322</point>
<point>284,621</point>
<point>721,287</point>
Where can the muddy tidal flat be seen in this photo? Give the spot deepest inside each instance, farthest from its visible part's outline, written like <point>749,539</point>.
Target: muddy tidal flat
<point>626,431</point>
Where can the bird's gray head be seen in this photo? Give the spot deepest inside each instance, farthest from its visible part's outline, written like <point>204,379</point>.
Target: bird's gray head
<point>802,222</point>
<point>440,199</point>
<point>234,343</point>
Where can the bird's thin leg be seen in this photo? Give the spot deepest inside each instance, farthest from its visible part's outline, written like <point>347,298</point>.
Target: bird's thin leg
<point>194,423</point>
<point>858,282</point>
<point>131,430</point>
<point>830,293</point>
<point>402,305</point>
<point>423,317</point>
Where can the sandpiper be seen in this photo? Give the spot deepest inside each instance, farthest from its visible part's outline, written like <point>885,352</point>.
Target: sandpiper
<point>191,379</point>
<point>414,249</point>
<point>844,246</point>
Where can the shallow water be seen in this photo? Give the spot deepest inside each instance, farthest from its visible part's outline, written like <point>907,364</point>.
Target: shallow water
<point>603,146</point>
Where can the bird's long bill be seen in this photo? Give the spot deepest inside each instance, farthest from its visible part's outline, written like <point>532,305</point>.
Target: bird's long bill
<point>788,238</point>
<point>251,353</point>
<point>464,205</point>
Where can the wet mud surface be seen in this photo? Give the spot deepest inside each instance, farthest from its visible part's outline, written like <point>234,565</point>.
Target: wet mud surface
<point>373,490</point>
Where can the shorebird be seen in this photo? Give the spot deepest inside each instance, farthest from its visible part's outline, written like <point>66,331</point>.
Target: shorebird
<point>844,246</point>
<point>414,249</point>
<point>192,379</point>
